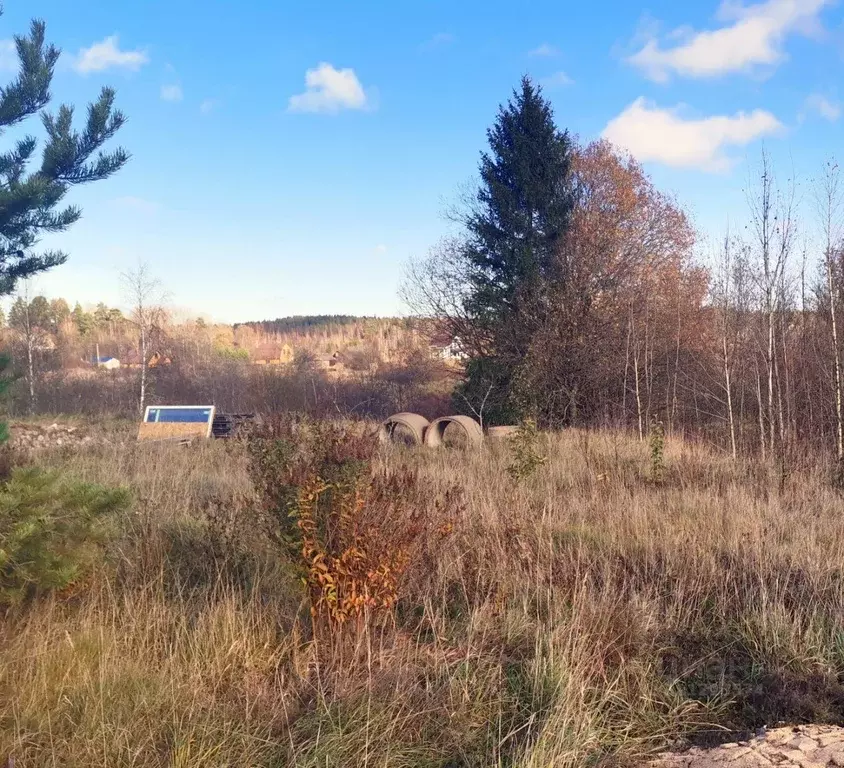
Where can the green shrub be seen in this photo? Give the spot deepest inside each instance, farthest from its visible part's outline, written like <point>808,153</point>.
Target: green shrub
<point>52,531</point>
<point>233,354</point>
<point>527,452</point>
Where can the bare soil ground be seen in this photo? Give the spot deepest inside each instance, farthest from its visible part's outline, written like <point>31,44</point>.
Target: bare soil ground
<point>805,746</point>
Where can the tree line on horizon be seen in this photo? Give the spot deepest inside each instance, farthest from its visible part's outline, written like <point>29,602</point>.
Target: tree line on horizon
<point>386,363</point>
<point>297,323</point>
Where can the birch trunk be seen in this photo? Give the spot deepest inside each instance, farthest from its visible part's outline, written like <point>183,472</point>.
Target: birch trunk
<point>836,358</point>
<point>638,392</point>
<point>760,403</point>
<point>30,355</point>
<point>729,387</point>
<point>143,388</point>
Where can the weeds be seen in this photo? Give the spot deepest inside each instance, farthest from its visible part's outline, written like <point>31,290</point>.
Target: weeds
<point>353,532</point>
<point>837,475</point>
<point>525,444</point>
<point>565,621</point>
<point>656,442</point>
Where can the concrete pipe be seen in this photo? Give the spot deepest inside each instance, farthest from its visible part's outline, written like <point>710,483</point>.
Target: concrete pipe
<point>468,426</point>
<point>412,424</point>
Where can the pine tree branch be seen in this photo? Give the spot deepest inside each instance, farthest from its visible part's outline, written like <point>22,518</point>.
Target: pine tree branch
<point>30,91</point>
<point>30,202</point>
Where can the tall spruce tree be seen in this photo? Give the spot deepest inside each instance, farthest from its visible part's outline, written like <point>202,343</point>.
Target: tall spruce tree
<point>31,200</point>
<point>515,233</point>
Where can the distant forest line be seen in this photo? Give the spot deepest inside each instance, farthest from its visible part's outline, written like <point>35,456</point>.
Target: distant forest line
<point>298,323</point>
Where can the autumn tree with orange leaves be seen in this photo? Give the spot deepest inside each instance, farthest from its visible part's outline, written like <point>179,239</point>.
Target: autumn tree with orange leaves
<point>630,303</point>
<point>622,302</point>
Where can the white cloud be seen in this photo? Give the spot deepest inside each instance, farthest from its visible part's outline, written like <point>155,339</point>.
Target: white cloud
<point>208,106</point>
<point>545,50</point>
<point>380,249</point>
<point>650,133</point>
<point>329,90</point>
<point>9,61</point>
<point>821,105</point>
<point>172,92</point>
<point>107,55</point>
<point>754,38</point>
<point>557,80</point>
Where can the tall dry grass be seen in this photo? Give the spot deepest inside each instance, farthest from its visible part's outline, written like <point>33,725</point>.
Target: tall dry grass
<point>582,615</point>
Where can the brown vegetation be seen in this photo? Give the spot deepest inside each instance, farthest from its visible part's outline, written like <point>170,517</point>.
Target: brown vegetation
<point>745,353</point>
<point>575,614</point>
<point>380,366</point>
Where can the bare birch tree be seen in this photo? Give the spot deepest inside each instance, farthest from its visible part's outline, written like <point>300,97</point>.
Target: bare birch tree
<point>29,321</point>
<point>829,205</point>
<point>773,220</point>
<point>145,295</point>
<point>724,290</point>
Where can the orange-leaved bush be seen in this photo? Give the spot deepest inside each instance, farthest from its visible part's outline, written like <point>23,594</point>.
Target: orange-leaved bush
<point>355,530</point>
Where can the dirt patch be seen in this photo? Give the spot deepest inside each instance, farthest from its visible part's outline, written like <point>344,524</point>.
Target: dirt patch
<point>804,746</point>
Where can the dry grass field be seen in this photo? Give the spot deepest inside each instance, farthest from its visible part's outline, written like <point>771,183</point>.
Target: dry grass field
<point>583,615</point>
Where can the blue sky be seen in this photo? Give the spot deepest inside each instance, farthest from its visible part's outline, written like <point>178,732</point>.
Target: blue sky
<point>290,157</point>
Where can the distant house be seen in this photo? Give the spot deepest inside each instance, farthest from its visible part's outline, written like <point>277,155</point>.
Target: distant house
<point>273,354</point>
<point>331,362</point>
<point>445,346</point>
<point>451,351</point>
<point>267,354</point>
<point>109,363</point>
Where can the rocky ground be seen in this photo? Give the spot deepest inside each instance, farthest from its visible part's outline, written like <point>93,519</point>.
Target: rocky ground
<point>805,746</point>
<point>36,437</point>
